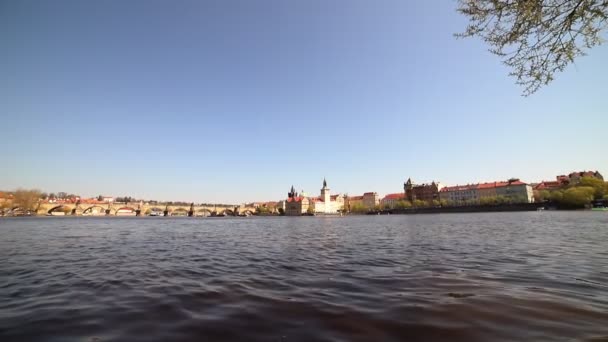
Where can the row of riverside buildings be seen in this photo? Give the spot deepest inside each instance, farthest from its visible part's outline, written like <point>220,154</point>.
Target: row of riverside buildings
<point>512,190</point>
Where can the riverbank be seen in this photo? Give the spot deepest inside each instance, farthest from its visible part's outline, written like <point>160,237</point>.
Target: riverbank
<point>463,209</point>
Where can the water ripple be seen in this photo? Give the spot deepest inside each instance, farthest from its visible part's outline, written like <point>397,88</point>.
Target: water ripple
<point>481,277</point>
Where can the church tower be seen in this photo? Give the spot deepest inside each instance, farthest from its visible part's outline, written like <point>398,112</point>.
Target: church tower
<point>325,194</point>
<point>407,188</point>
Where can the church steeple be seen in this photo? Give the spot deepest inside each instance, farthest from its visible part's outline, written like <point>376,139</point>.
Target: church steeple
<point>292,193</point>
<point>324,183</point>
<point>408,184</point>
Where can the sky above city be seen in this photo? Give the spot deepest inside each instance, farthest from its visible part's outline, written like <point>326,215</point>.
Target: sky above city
<point>234,101</point>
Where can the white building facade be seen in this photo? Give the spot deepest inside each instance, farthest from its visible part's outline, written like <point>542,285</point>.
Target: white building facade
<point>326,203</point>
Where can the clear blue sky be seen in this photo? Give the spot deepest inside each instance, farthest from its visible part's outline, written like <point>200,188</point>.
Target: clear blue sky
<point>235,101</point>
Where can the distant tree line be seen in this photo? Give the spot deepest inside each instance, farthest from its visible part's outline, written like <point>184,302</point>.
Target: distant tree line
<point>358,207</point>
<point>577,195</point>
<point>26,199</point>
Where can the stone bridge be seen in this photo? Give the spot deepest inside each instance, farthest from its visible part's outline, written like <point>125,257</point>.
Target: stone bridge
<point>141,209</point>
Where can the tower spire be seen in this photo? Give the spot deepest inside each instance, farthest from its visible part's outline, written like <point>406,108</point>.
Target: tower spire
<point>324,182</point>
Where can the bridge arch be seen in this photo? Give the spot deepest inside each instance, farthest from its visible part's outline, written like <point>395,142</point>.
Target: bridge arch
<point>203,213</point>
<point>95,210</point>
<point>60,210</point>
<point>16,211</point>
<point>228,212</point>
<point>155,211</point>
<point>179,212</point>
<point>125,211</point>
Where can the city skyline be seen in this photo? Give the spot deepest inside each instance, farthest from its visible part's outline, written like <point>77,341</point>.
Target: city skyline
<point>217,103</point>
<point>304,192</point>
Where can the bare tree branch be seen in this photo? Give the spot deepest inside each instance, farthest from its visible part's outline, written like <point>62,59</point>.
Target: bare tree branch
<point>536,38</point>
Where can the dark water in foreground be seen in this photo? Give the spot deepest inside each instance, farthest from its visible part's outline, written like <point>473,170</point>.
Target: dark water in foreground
<point>452,277</point>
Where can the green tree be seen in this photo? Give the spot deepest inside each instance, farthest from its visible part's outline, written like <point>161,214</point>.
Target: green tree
<point>597,184</point>
<point>310,210</point>
<point>557,196</point>
<point>471,201</point>
<point>488,200</point>
<point>578,196</point>
<point>403,204</point>
<point>420,203</point>
<point>542,195</point>
<point>264,210</point>
<point>501,199</point>
<point>536,38</point>
<point>358,207</point>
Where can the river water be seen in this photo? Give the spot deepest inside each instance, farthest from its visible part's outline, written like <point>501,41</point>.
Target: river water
<point>534,276</point>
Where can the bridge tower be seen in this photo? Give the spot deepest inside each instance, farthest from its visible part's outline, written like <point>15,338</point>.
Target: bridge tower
<point>75,207</point>
<point>191,211</point>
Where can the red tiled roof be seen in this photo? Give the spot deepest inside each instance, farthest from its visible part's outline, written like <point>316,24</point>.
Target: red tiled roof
<point>398,195</point>
<point>582,174</point>
<point>489,185</point>
<point>459,188</point>
<point>548,185</point>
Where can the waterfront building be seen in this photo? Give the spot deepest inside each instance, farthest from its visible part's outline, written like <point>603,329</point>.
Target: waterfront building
<point>352,202</point>
<point>515,190</point>
<point>391,200</point>
<point>559,182</point>
<point>565,180</point>
<point>327,203</point>
<point>296,205</point>
<point>486,190</point>
<point>423,192</point>
<point>575,177</point>
<point>369,200</point>
<point>460,194</point>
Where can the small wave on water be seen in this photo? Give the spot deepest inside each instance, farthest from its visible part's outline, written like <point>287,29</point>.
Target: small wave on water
<point>479,277</point>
